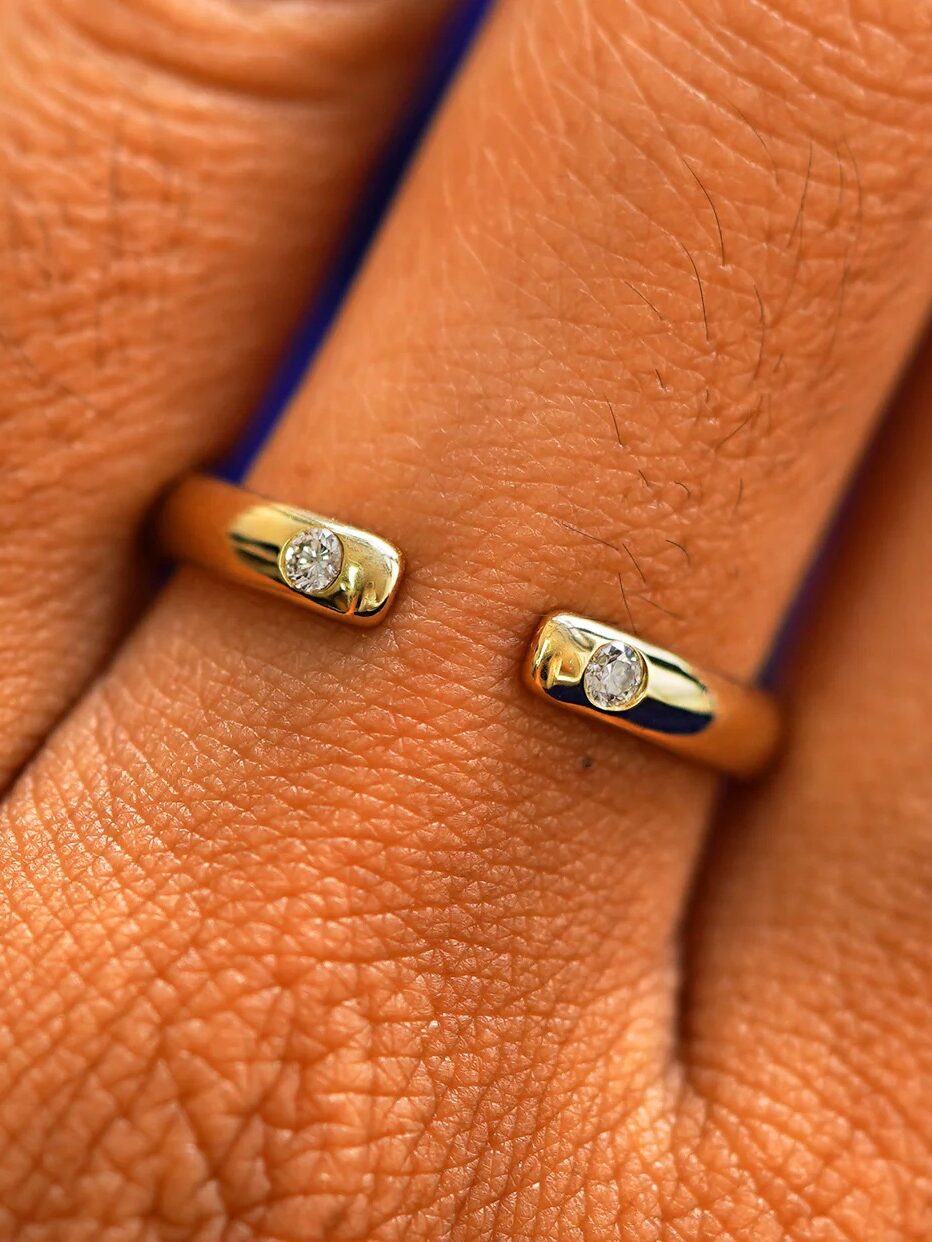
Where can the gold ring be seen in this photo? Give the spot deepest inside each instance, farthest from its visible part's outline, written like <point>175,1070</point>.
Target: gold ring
<point>324,565</point>
<point>600,671</point>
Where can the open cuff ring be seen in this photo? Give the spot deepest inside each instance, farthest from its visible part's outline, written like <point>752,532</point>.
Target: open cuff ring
<point>602,672</point>
<point>324,565</point>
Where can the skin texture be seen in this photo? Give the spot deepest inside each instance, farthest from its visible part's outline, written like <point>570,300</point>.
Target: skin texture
<point>317,935</point>
<point>176,178</point>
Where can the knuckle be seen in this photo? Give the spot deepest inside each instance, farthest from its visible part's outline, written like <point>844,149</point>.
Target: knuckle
<point>310,1019</point>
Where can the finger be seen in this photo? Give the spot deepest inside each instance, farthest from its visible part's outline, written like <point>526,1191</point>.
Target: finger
<point>475,895</point>
<point>176,176</point>
<point>812,960</point>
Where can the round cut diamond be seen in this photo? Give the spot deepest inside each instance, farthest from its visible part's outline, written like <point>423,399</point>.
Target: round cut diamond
<point>615,677</point>
<point>312,560</point>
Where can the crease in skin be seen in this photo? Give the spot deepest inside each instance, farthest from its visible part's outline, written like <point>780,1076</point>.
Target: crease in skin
<point>295,53</point>
<point>821,878</point>
<point>121,245</point>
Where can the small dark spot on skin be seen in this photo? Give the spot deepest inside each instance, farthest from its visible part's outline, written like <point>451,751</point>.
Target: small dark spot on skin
<point>586,762</point>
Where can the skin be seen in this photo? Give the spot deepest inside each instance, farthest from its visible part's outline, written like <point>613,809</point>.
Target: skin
<point>309,934</point>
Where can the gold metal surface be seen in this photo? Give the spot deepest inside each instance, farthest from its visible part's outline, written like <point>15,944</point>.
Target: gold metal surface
<point>238,535</point>
<point>701,715</point>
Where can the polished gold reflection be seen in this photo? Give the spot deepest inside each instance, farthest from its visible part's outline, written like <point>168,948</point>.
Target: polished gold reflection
<point>237,535</point>
<point>702,715</point>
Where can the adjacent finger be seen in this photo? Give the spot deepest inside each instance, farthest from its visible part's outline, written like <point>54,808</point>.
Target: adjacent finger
<point>430,916</point>
<point>811,965</point>
<point>175,178</point>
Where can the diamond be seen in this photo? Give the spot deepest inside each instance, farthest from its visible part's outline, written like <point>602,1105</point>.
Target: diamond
<point>615,677</point>
<point>312,560</point>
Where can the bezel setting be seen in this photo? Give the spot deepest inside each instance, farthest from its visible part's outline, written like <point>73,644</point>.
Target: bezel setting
<point>615,679</point>
<point>312,560</point>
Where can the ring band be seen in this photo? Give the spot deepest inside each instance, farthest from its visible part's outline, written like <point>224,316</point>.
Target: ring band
<point>316,562</point>
<point>600,671</point>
